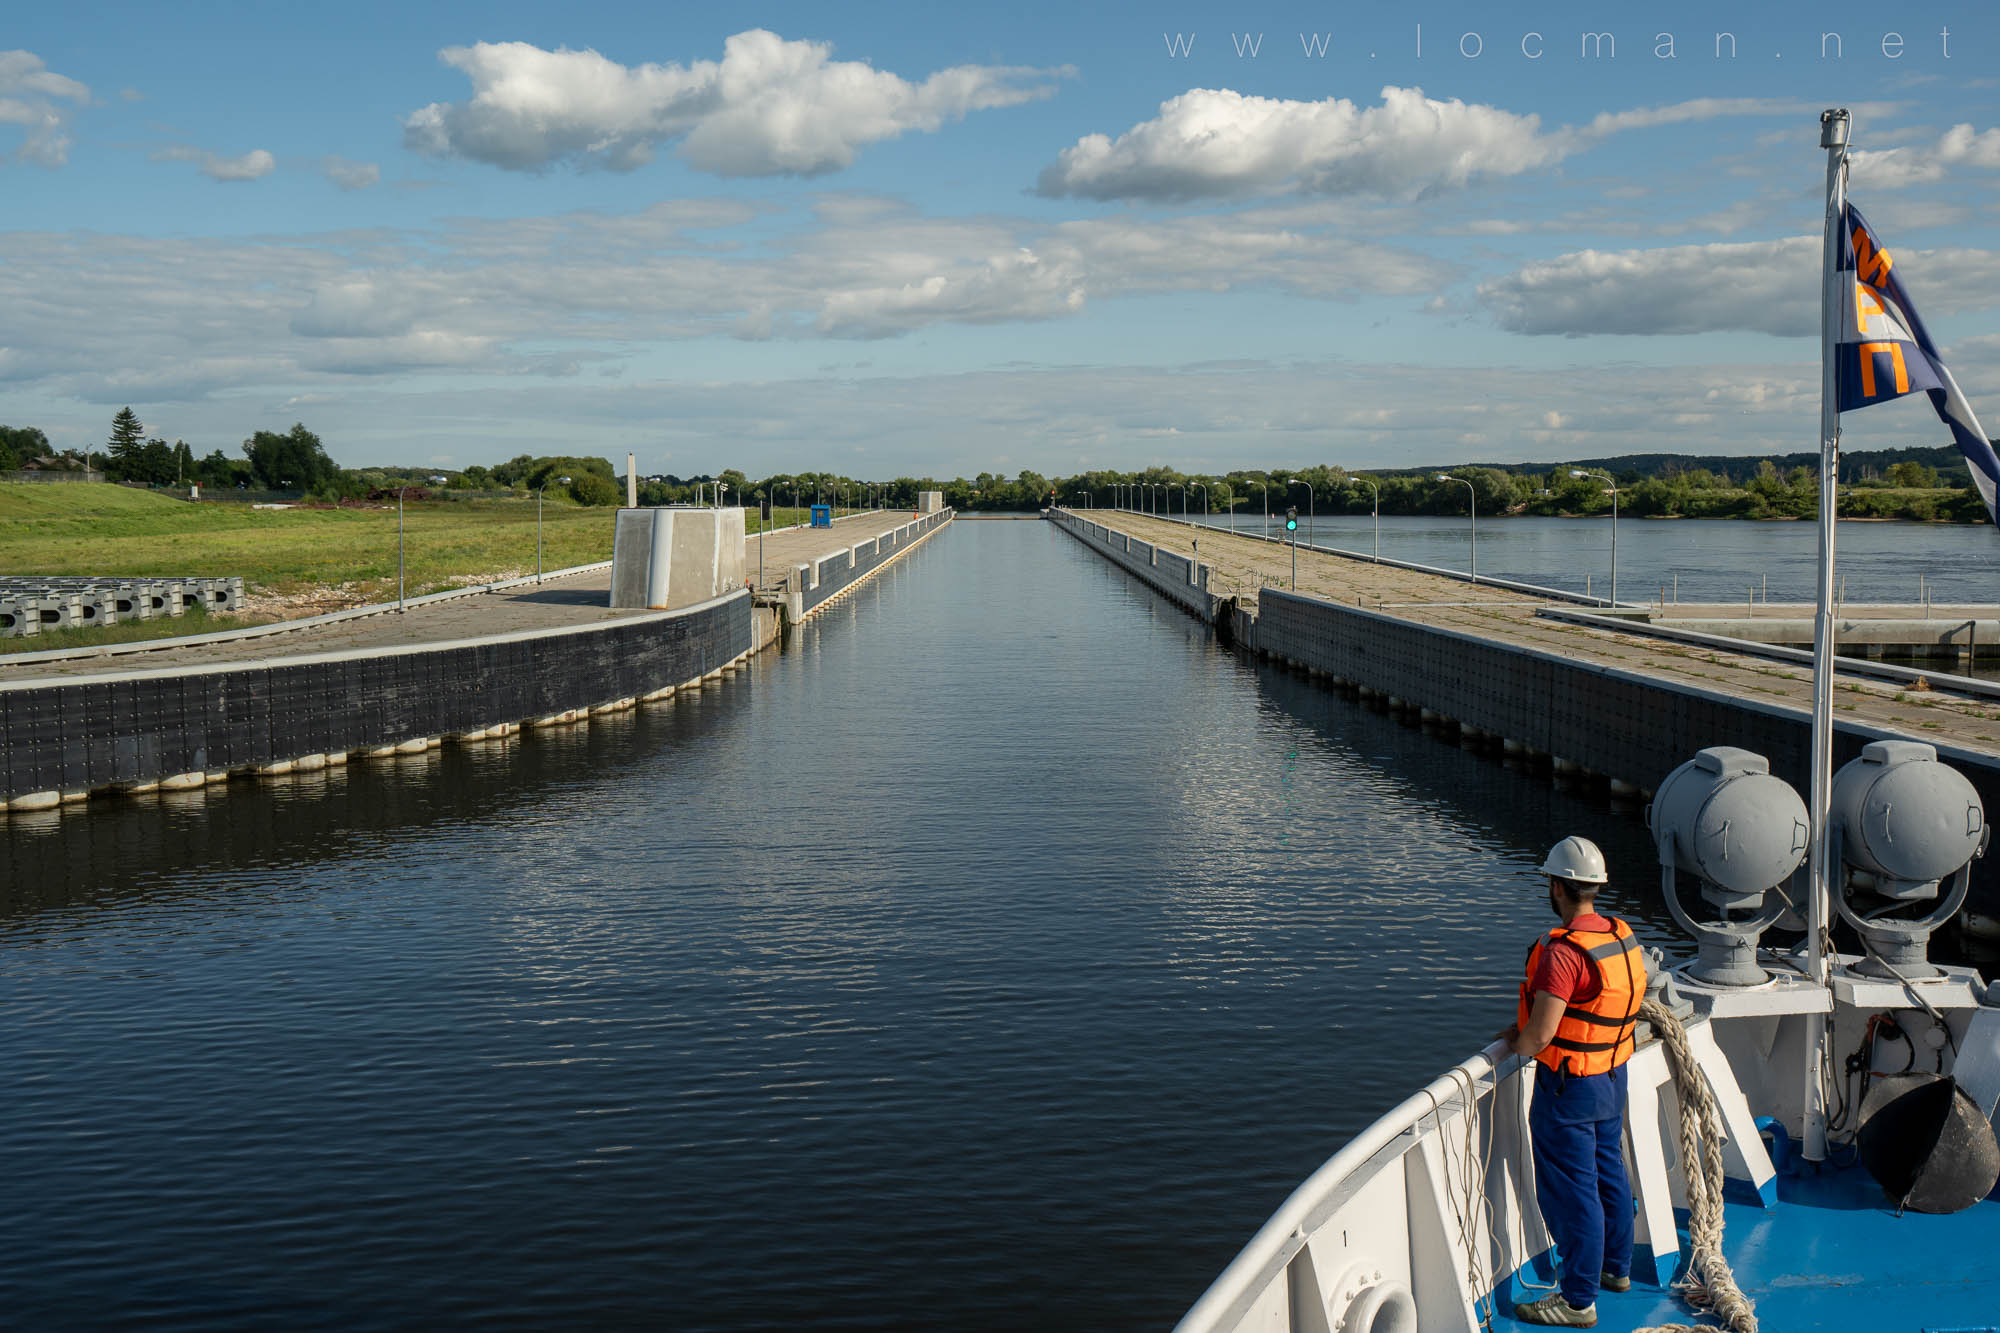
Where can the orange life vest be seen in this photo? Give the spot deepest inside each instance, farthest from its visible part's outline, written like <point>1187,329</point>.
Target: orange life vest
<point>1597,1036</point>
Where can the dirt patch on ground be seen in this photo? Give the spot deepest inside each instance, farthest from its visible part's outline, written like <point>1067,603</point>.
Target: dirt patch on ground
<point>262,604</point>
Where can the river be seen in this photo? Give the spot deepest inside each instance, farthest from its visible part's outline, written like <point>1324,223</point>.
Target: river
<point>997,956</point>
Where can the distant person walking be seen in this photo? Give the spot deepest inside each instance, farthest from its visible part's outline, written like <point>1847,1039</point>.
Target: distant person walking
<point>1578,1011</point>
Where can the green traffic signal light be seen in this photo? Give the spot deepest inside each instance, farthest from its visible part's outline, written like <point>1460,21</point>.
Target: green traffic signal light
<point>1292,519</point>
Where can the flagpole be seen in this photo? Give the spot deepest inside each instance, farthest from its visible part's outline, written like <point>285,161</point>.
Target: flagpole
<point>1833,138</point>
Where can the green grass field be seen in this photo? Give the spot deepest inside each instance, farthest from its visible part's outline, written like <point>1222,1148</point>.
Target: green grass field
<point>118,530</point>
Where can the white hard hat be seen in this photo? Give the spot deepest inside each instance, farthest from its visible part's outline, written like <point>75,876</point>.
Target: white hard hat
<point>1576,859</point>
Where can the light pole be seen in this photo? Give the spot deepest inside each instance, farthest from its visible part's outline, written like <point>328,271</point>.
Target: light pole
<point>795,504</point>
<point>1203,488</point>
<point>1170,500</point>
<point>538,521</point>
<point>1376,509</point>
<point>1579,472</point>
<point>1312,506</point>
<point>1472,498</point>
<point>399,545</point>
<point>1265,487</point>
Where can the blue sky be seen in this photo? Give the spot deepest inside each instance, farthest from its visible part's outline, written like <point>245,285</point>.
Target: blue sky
<point>891,239</point>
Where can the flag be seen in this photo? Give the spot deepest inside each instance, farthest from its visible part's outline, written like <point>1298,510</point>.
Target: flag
<point>1884,352</point>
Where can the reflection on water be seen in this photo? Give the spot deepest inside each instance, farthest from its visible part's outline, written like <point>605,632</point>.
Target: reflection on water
<point>997,956</point>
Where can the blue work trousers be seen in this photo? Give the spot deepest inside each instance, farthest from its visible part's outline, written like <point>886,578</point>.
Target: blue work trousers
<point>1578,1127</point>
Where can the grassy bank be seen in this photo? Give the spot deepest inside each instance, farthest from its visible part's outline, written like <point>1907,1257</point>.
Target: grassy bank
<point>320,558</point>
<point>114,530</point>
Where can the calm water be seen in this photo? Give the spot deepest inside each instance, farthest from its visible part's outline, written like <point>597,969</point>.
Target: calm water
<point>1717,559</point>
<point>998,956</point>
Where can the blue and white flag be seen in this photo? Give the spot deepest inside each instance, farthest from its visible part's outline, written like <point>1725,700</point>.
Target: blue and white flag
<point>1885,353</point>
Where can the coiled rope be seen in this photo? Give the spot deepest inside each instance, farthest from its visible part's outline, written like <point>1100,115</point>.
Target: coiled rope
<point>1708,1286</point>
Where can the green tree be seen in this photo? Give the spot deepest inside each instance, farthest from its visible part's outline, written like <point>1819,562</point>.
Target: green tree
<point>594,488</point>
<point>155,463</point>
<point>294,461</point>
<point>127,432</point>
<point>1911,474</point>
<point>20,445</point>
<point>125,450</point>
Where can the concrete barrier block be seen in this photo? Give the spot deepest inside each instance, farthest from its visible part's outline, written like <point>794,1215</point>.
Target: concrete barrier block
<point>97,608</point>
<point>17,620</point>
<point>55,612</point>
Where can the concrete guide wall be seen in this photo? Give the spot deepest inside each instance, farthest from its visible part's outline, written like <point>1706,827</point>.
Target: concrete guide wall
<point>78,733</point>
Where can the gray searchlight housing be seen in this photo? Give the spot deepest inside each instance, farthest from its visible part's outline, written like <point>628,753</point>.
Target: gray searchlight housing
<point>1724,819</point>
<point>1900,823</point>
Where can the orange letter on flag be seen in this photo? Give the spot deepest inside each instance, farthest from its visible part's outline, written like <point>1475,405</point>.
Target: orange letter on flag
<point>1895,351</point>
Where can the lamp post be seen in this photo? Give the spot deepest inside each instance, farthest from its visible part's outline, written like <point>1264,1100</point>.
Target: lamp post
<point>1580,472</point>
<point>399,545</point>
<point>1265,487</point>
<point>1312,506</point>
<point>538,521</point>
<point>1203,488</point>
<point>1170,499</point>
<point>1376,510</point>
<point>795,504</point>
<point>1472,498</point>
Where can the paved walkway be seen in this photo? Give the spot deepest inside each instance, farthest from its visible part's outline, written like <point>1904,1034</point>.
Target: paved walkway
<point>1242,565</point>
<point>556,603</point>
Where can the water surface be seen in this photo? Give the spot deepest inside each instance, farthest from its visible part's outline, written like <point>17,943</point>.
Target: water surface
<point>997,956</point>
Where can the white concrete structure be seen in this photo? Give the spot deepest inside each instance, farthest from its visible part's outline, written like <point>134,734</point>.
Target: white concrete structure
<point>669,558</point>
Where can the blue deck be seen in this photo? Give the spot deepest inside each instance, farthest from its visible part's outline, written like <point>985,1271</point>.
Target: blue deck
<point>1834,1255</point>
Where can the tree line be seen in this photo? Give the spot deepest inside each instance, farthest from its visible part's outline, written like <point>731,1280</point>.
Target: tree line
<point>1919,483</point>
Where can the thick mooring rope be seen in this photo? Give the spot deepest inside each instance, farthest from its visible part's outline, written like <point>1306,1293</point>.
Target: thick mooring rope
<point>1709,1286</point>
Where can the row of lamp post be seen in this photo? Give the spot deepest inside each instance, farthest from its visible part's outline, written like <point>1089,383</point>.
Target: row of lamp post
<point>1143,497</point>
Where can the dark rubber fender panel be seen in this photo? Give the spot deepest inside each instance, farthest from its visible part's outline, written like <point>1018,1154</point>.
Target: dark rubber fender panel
<point>1926,1144</point>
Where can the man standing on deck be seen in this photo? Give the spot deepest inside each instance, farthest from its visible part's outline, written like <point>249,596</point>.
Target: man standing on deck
<point>1578,1010</point>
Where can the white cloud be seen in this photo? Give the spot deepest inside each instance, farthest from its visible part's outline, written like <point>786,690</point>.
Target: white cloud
<point>543,297</point>
<point>1210,143</point>
<point>32,97</point>
<point>350,175</point>
<point>1926,164</point>
<point>768,107</point>
<point>248,167</point>
<point>1755,286</point>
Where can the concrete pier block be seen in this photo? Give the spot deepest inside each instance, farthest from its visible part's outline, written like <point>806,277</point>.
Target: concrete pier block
<point>76,797</point>
<point>184,782</point>
<point>1396,703</point>
<point>1427,715</point>
<point>417,746</point>
<point>378,752</point>
<point>1564,767</point>
<point>275,769</point>
<point>653,696</point>
<point>469,737</point>
<point>1512,748</point>
<point>309,763</point>
<point>336,759</point>
<point>1620,787</point>
<point>216,779</point>
<point>35,800</point>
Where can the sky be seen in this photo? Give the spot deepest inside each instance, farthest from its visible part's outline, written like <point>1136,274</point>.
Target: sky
<point>901,239</point>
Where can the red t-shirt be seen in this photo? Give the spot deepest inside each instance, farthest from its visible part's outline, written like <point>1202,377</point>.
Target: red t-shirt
<point>1564,972</point>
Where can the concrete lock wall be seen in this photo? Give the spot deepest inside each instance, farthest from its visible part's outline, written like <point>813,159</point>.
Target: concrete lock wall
<point>842,570</point>
<point>1618,723</point>
<point>141,726</point>
<point>930,502</point>
<point>1175,577</point>
<point>668,558</point>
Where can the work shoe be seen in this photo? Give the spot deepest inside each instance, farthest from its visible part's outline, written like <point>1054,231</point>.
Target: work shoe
<point>1612,1282</point>
<point>1553,1310</point>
